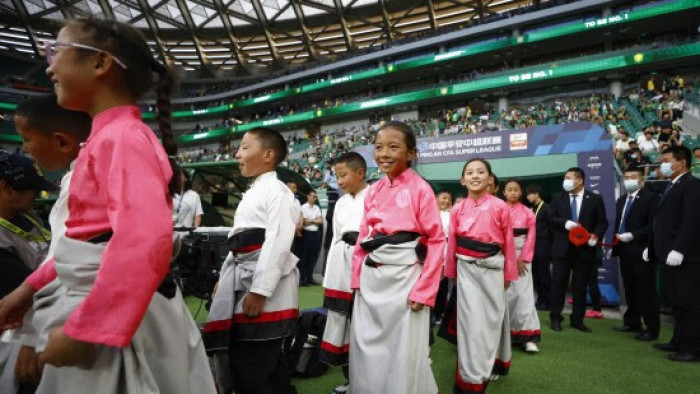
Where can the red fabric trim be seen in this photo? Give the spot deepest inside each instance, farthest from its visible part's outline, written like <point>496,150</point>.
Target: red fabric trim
<point>247,249</point>
<point>462,385</point>
<point>343,295</point>
<point>470,253</point>
<point>267,317</point>
<point>525,332</point>
<point>502,363</point>
<point>217,325</point>
<point>329,347</point>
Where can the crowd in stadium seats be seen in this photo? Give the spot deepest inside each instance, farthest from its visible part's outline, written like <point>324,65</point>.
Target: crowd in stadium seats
<point>642,122</point>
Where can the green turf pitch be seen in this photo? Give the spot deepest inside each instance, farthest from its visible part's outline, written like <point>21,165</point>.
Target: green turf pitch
<point>569,362</point>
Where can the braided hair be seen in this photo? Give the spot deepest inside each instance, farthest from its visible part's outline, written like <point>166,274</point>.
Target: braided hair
<point>129,45</point>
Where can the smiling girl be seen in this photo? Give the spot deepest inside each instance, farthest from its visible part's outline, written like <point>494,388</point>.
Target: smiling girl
<point>117,323</point>
<point>481,257</point>
<point>524,322</point>
<point>388,340</point>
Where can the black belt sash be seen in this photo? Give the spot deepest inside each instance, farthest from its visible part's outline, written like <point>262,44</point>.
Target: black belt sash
<point>350,237</point>
<point>167,288</point>
<point>477,248</point>
<point>520,231</point>
<point>381,239</point>
<point>247,241</point>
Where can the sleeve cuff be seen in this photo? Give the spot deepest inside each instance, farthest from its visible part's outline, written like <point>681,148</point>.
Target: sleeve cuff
<point>261,292</point>
<point>84,334</point>
<point>425,301</point>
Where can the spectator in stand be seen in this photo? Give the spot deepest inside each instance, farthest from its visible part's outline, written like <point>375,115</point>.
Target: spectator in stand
<point>635,159</point>
<point>647,143</point>
<point>623,143</point>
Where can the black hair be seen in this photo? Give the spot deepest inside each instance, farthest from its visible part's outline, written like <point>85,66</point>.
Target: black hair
<point>696,149</point>
<point>353,160</point>
<point>495,181</point>
<point>637,169</point>
<point>513,180</point>
<point>311,191</point>
<point>578,171</point>
<point>294,182</point>
<point>486,163</point>
<point>532,189</point>
<point>187,185</point>
<point>271,139</point>
<point>680,153</point>
<point>127,44</point>
<point>408,135</point>
<point>45,116</point>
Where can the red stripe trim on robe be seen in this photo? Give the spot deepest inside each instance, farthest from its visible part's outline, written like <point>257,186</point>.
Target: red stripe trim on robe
<point>527,333</point>
<point>466,386</point>
<point>471,253</point>
<point>267,317</point>
<point>247,249</point>
<point>329,347</point>
<point>217,325</point>
<point>338,294</point>
<point>501,363</point>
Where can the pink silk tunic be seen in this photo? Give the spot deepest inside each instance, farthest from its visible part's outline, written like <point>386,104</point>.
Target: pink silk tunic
<point>486,220</point>
<point>406,204</point>
<point>120,184</point>
<point>522,217</point>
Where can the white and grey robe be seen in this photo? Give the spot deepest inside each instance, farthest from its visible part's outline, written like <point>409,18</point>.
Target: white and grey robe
<point>524,321</point>
<point>389,350</point>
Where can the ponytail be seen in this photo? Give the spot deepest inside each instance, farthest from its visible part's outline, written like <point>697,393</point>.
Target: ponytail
<point>166,81</point>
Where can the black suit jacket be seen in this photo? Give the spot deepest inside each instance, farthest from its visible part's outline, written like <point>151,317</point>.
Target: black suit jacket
<point>591,217</point>
<point>676,225</point>
<point>544,222</point>
<point>638,222</point>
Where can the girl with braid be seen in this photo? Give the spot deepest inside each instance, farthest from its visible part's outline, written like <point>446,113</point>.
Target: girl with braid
<point>113,320</point>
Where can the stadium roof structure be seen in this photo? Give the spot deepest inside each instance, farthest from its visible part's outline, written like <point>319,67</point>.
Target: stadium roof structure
<point>240,34</point>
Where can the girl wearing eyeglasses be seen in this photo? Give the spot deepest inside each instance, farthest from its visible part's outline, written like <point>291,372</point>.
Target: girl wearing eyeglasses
<point>118,323</point>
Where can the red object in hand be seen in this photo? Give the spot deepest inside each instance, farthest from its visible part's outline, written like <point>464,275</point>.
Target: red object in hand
<point>579,236</point>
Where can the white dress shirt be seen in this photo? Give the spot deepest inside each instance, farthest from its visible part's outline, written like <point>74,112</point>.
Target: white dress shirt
<point>624,210</point>
<point>269,204</point>
<point>311,212</point>
<point>579,201</point>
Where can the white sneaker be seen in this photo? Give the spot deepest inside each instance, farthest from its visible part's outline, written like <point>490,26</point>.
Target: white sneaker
<point>342,389</point>
<point>531,347</point>
<point>494,377</point>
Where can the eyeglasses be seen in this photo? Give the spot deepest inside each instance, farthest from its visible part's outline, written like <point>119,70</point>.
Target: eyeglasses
<point>50,51</point>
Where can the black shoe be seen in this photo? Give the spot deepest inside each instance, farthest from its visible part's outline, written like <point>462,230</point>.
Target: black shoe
<point>627,328</point>
<point>581,327</point>
<point>683,357</point>
<point>542,307</point>
<point>303,284</point>
<point>667,347</point>
<point>646,336</point>
<point>555,325</point>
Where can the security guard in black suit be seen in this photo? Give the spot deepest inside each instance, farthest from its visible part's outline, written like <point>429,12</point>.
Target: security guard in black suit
<point>576,207</point>
<point>675,245</point>
<point>542,259</point>
<point>634,215</point>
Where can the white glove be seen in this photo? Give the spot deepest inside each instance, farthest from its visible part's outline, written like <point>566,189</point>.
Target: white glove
<point>592,241</point>
<point>625,237</point>
<point>645,255</point>
<point>674,259</point>
<point>570,225</point>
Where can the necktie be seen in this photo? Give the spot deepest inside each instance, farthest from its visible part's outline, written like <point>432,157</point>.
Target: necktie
<point>623,223</point>
<point>668,189</point>
<point>574,208</point>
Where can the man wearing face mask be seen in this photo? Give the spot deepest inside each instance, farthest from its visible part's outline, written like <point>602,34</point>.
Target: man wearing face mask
<point>674,245</point>
<point>574,208</point>
<point>634,215</point>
